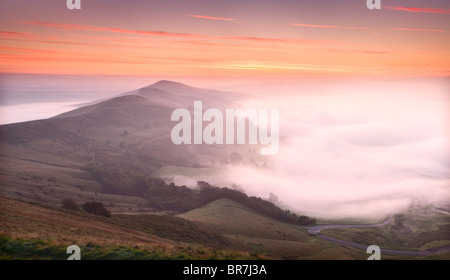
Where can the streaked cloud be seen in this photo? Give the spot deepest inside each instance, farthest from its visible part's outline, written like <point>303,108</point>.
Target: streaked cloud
<point>417,29</point>
<point>111,29</point>
<point>212,18</point>
<point>4,33</point>
<point>419,10</point>
<point>359,51</point>
<point>276,40</point>
<point>364,28</point>
<point>328,26</point>
<point>176,35</point>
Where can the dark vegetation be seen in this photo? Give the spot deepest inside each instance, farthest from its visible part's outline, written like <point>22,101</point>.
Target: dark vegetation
<point>170,197</point>
<point>96,208</point>
<point>70,204</point>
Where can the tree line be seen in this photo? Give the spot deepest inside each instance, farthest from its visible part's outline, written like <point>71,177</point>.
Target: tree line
<point>171,197</point>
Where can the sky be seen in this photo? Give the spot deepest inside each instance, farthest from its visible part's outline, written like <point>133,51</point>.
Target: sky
<point>233,38</point>
<point>366,126</point>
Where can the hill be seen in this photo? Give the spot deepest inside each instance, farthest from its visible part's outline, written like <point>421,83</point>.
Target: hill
<point>129,136</point>
<point>221,216</point>
<point>178,95</point>
<point>261,235</point>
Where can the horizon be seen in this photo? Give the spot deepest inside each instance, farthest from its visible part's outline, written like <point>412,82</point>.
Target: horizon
<point>64,92</point>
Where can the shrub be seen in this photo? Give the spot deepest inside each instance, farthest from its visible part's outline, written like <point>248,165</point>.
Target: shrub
<point>70,204</point>
<point>96,208</point>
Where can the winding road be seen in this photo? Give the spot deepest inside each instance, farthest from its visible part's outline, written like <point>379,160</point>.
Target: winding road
<point>314,230</point>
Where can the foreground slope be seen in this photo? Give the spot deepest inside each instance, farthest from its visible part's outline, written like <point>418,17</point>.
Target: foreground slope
<point>222,229</point>
<point>34,231</point>
<point>253,232</point>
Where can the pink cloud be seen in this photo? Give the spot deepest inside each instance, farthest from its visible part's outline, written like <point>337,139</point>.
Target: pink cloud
<point>415,29</point>
<point>359,51</point>
<point>25,50</point>
<point>328,26</point>
<point>276,40</point>
<point>14,34</point>
<point>364,28</point>
<point>314,25</point>
<point>173,35</point>
<point>419,10</point>
<point>110,29</point>
<point>213,18</point>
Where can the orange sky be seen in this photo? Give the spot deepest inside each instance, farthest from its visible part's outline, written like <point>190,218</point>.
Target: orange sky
<point>255,39</point>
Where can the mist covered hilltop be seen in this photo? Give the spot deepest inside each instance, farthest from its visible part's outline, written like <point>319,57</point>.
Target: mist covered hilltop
<point>349,152</point>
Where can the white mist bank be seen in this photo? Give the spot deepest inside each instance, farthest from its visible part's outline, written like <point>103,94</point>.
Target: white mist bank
<point>28,112</point>
<point>27,97</point>
<point>355,150</point>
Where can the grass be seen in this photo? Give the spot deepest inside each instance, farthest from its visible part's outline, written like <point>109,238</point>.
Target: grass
<point>170,227</point>
<point>250,231</point>
<point>222,229</point>
<point>40,250</point>
<point>231,218</point>
<point>32,231</point>
<point>26,249</point>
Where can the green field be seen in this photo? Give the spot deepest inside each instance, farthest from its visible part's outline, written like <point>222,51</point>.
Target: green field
<point>258,234</point>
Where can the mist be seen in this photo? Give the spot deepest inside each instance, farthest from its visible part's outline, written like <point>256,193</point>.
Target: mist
<point>348,148</point>
<point>27,97</point>
<point>352,149</point>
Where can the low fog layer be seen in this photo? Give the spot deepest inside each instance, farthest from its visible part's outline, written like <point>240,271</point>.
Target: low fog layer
<point>353,149</point>
<point>27,97</point>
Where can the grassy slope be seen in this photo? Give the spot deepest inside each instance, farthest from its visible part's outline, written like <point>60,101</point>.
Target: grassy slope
<point>220,230</point>
<point>30,231</point>
<point>23,178</point>
<point>253,232</point>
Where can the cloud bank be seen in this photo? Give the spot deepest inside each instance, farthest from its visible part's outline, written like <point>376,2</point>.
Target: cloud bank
<point>355,149</point>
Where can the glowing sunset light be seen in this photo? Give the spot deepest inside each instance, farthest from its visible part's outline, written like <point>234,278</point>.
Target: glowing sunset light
<point>292,39</point>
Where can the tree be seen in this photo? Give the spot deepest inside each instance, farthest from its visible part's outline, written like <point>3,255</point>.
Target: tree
<point>306,221</point>
<point>96,208</point>
<point>273,198</point>
<point>70,204</point>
